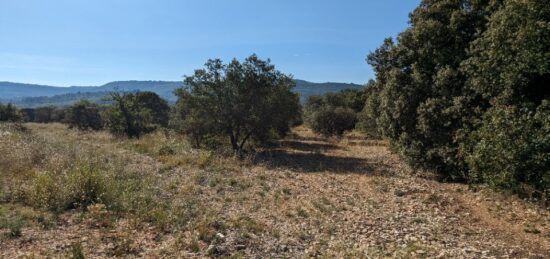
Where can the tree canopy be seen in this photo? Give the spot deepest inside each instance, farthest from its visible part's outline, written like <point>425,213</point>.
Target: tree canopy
<point>133,114</point>
<point>84,115</point>
<point>243,101</point>
<point>453,75</point>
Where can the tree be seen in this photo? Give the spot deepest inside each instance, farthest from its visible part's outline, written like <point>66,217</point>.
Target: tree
<point>134,114</point>
<point>241,101</point>
<point>464,91</point>
<point>421,99</point>
<point>9,113</point>
<point>509,69</point>
<point>84,115</point>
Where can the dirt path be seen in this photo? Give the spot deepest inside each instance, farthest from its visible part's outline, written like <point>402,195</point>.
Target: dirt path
<point>308,197</point>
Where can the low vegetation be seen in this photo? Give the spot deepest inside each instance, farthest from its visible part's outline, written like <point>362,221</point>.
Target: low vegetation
<point>93,194</point>
<point>333,114</point>
<point>9,113</point>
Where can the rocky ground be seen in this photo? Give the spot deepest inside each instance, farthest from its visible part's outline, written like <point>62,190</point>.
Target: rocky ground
<point>306,197</point>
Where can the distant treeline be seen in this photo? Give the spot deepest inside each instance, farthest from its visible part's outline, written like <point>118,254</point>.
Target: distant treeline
<point>62,99</point>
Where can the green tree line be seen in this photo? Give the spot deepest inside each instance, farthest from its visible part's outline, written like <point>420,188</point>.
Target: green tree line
<point>465,91</point>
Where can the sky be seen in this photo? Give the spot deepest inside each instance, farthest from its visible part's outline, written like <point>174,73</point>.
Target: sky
<point>85,42</point>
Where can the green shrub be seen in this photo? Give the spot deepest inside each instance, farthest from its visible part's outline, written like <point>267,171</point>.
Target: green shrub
<point>9,113</point>
<point>134,114</point>
<point>83,185</point>
<point>84,115</point>
<point>88,185</point>
<point>330,122</point>
<point>511,150</point>
<point>46,190</point>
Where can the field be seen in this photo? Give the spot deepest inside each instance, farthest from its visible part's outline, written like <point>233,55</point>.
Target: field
<point>67,193</point>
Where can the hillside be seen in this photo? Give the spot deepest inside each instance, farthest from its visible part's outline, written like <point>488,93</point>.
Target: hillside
<point>305,197</point>
<point>29,95</point>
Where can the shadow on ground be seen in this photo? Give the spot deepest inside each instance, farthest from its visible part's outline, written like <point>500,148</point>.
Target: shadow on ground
<point>306,147</point>
<point>317,162</point>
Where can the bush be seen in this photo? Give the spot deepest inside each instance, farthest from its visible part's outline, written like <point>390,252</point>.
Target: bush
<point>88,185</point>
<point>47,191</point>
<point>330,122</point>
<point>45,114</point>
<point>134,114</point>
<point>83,185</point>
<point>334,113</point>
<point>9,113</point>
<point>84,115</point>
<point>511,149</point>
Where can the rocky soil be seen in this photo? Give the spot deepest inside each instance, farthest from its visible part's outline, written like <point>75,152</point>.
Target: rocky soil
<point>306,197</point>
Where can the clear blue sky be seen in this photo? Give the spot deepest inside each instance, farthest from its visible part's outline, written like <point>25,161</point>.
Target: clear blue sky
<point>92,42</point>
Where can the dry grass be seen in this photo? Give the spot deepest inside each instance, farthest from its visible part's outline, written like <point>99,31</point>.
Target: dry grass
<point>307,197</point>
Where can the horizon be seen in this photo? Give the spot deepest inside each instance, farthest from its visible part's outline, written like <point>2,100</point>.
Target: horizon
<point>72,43</point>
<point>171,81</point>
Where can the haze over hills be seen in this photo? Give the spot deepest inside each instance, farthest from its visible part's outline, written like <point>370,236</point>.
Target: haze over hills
<point>33,95</point>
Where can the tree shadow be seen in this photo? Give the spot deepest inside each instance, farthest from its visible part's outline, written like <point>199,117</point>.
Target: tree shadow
<point>317,162</point>
<point>367,143</point>
<point>306,147</point>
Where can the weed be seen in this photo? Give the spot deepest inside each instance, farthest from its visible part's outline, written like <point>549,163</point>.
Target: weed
<point>302,213</point>
<point>76,251</point>
<point>15,227</point>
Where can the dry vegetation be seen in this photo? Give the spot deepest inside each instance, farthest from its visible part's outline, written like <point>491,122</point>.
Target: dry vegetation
<point>67,193</point>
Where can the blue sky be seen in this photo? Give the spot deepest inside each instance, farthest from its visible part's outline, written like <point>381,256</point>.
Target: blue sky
<point>92,42</point>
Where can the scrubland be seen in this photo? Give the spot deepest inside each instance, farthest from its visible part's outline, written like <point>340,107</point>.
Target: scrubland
<point>68,193</point>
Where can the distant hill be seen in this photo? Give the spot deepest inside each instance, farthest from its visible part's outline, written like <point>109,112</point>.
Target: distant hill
<point>31,95</point>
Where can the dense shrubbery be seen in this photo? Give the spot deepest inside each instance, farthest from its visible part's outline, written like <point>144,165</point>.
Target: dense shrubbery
<point>239,101</point>
<point>9,113</point>
<point>334,113</point>
<point>468,74</point>
<point>133,114</point>
<point>84,115</point>
<point>330,122</point>
<point>511,149</point>
<point>47,114</point>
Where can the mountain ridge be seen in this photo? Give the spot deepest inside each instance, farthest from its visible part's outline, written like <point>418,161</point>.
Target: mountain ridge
<point>33,95</point>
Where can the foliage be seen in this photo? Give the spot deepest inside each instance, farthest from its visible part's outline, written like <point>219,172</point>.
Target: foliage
<point>509,68</point>
<point>511,148</point>
<point>240,101</point>
<point>46,114</point>
<point>457,61</point>
<point>334,113</point>
<point>9,113</point>
<point>82,186</point>
<point>84,115</point>
<point>133,114</point>
<point>330,122</point>
<point>367,117</point>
